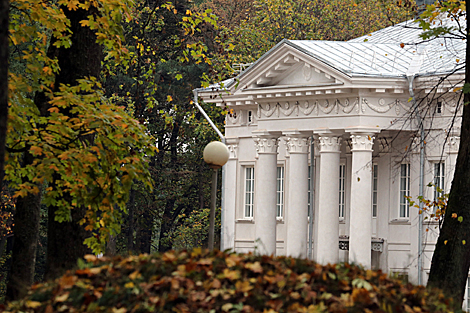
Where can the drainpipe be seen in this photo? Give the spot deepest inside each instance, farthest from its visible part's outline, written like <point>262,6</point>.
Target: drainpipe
<point>312,197</point>
<point>222,138</point>
<point>421,178</point>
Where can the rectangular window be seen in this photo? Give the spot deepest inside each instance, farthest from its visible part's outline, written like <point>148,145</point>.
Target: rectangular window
<point>249,191</point>
<point>375,171</point>
<point>439,171</point>
<point>280,191</point>
<point>309,190</point>
<point>404,190</point>
<point>342,168</point>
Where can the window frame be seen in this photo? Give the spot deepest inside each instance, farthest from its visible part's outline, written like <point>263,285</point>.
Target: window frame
<point>404,191</point>
<point>280,190</point>
<point>248,194</point>
<point>375,189</point>
<point>342,191</point>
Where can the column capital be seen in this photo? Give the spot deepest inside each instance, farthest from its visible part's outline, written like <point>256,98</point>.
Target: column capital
<point>453,142</point>
<point>362,142</point>
<point>329,143</point>
<point>232,145</point>
<point>296,141</point>
<point>265,142</point>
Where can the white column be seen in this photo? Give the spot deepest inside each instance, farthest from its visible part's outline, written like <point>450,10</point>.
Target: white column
<point>297,205</point>
<point>360,230</point>
<point>265,193</point>
<point>229,216</point>
<point>327,220</point>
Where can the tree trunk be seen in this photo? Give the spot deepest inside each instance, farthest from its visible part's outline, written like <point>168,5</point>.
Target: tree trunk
<point>451,258</point>
<point>64,243</point>
<point>83,58</point>
<point>4,7</point>
<point>26,232</point>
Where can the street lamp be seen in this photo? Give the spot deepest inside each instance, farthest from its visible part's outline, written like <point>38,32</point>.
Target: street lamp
<point>215,154</point>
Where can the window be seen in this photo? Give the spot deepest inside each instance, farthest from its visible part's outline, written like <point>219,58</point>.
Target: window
<point>439,171</point>
<point>309,190</point>
<point>249,191</point>
<point>404,190</point>
<point>250,117</point>
<point>280,191</point>
<point>342,168</point>
<point>439,107</point>
<point>375,171</point>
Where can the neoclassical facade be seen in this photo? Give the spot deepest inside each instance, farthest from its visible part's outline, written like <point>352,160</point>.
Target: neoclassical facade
<point>335,128</point>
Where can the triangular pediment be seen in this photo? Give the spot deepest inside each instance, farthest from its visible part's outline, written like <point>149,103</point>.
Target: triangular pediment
<point>285,65</point>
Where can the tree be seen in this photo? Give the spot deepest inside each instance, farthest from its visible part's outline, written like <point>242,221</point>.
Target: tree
<point>451,258</point>
<point>261,24</point>
<point>68,146</point>
<point>4,7</point>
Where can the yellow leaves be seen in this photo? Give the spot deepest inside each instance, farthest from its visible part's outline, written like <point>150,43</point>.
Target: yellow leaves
<point>33,304</point>
<point>254,267</point>
<point>62,298</point>
<point>169,257</point>
<point>169,98</point>
<point>134,275</point>
<point>231,275</point>
<point>243,286</point>
<point>454,215</point>
<point>129,285</point>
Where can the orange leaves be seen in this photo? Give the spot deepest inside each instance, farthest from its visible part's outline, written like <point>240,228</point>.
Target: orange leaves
<point>254,267</point>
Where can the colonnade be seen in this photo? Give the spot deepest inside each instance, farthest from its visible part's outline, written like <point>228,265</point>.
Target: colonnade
<point>326,220</point>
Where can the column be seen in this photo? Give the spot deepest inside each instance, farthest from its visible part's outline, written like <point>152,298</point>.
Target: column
<point>297,205</point>
<point>229,214</point>
<point>327,220</point>
<point>360,228</point>
<point>265,193</point>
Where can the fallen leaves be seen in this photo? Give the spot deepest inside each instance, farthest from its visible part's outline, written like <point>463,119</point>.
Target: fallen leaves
<point>203,281</point>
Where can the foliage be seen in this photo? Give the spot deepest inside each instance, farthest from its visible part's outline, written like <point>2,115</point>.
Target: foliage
<point>193,231</point>
<point>433,210</point>
<point>264,23</point>
<point>202,281</point>
<point>87,145</point>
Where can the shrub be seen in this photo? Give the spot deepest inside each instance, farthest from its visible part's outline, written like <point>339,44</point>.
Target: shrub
<point>203,281</point>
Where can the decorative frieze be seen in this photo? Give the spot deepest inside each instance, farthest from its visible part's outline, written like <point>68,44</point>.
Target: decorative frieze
<point>362,142</point>
<point>329,107</point>
<point>329,143</point>
<point>297,144</point>
<point>234,117</point>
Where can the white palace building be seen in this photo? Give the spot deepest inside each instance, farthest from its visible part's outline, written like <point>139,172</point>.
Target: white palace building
<point>353,111</point>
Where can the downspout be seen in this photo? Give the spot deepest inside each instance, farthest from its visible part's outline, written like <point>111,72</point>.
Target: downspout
<point>312,197</point>
<point>421,178</point>
<point>222,138</point>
